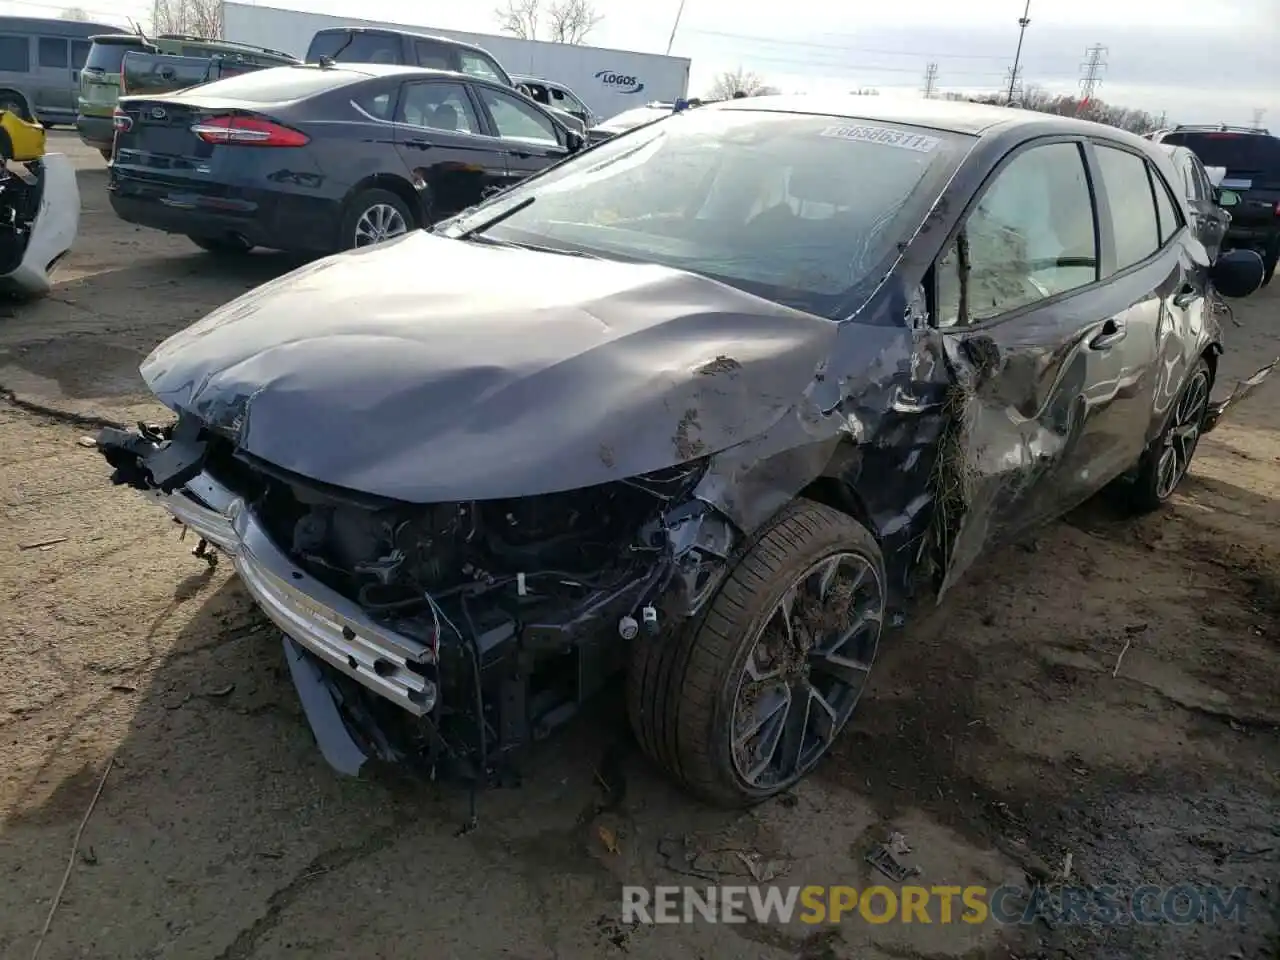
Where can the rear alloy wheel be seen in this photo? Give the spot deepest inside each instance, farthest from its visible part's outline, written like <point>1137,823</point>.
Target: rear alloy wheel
<point>375,216</point>
<point>742,705</point>
<point>225,246</point>
<point>1165,464</point>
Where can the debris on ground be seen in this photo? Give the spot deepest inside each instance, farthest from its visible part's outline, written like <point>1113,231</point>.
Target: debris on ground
<point>42,544</point>
<point>887,859</point>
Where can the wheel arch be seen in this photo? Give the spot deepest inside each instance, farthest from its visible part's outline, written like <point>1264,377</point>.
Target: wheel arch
<point>20,97</point>
<point>392,183</point>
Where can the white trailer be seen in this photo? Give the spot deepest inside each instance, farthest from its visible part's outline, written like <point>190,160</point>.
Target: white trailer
<point>608,81</point>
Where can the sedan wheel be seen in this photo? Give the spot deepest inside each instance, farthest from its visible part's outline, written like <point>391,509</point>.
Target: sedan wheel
<point>806,670</point>
<point>743,701</point>
<point>379,222</point>
<point>1166,463</point>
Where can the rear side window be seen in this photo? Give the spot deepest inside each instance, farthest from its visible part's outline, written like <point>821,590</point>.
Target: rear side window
<point>1133,208</point>
<point>1252,152</point>
<point>279,84</point>
<point>1170,217</point>
<point>108,57</point>
<point>52,52</point>
<point>440,106</point>
<point>15,54</point>
<point>363,48</point>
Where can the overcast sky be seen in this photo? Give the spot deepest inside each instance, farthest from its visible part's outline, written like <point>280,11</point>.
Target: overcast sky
<point>1196,60</point>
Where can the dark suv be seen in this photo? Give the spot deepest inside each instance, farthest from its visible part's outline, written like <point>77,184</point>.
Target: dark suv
<point>1251,157</point>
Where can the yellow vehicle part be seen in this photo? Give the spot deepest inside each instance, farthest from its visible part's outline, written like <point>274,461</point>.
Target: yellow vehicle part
<point>20,140</point>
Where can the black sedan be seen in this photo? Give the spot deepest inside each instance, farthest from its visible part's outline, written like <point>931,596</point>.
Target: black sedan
<point>705,402</point>
<point>317,159</point>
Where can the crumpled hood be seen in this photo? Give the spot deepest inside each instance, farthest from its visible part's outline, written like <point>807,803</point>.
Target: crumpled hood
<point>429,369</point>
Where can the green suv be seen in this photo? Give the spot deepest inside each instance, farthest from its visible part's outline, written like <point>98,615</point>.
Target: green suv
<point>100,83</point>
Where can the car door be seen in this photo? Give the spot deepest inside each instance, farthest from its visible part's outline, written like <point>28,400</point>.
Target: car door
<point>1057,355</point>
<point>531,139</point>
<point>442,141</point>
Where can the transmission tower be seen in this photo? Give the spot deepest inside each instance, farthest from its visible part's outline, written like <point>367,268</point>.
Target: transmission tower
<point>1094,64</point>
<point>1258,113</point>
<point>1013,76</point>
<point>930,81</point>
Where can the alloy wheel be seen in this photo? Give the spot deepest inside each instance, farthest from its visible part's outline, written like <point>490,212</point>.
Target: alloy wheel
<point>1182,435</point>
<point>380,222</point>
<point>806,670</point>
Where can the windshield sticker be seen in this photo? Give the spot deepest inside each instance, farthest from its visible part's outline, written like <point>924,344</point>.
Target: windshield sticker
<point>883,135</point>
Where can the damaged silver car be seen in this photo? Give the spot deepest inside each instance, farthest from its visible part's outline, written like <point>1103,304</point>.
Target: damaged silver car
<point>706,403</point>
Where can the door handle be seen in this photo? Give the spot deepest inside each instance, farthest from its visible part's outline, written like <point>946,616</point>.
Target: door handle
<point>418,143</point>
<point>1108,335</point>
<point>519,154</point>
<point>1186,296</point>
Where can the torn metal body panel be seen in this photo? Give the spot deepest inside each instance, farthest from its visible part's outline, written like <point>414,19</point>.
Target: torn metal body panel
<point>469,474</point>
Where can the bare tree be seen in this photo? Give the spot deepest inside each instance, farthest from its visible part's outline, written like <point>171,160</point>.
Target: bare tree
<point>730,82</point>
<point>572,20</point>
<point>519,18</point>
<point>73,13</point>
<point>193,18</point>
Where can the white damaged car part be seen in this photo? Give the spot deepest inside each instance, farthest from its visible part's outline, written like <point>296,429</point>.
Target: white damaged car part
<point>39,216</point>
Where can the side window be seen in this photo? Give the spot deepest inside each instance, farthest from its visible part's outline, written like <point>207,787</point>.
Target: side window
<point>1170,217</point>
<point>79,53</point>
<point>52,52</point>
<point>433,56</point>
<point>440,106</point>
<point>518,120</point>
<point>15,54</point>
<point>476,65</point>
<point>1195,186</point>
<point>1133,209</point>
<point>1031,236</point>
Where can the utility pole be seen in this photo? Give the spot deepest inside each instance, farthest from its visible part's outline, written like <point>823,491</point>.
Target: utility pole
<point>675,26</point>
<point>1095,63</point>
<point>1023,23</point>
<point>930,81</point>
<point>1258,114</point>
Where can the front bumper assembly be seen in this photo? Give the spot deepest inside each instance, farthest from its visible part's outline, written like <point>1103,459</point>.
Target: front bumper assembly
<point>317,618</point>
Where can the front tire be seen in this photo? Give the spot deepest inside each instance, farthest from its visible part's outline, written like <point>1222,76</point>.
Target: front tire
<point>741,704</point>
<point>1165,464</point>
<point>374,216</point>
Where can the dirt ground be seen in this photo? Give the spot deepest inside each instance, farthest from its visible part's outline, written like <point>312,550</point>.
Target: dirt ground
<point>998,734</point>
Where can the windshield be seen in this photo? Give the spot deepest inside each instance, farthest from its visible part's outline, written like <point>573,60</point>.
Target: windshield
<point>363,48</point>
<point>803,210</point>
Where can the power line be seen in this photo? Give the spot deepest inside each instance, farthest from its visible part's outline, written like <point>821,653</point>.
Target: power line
<point>1023,23</point>
<point>930,80</point>
<point>844,48</point>
<point>1093,66</point>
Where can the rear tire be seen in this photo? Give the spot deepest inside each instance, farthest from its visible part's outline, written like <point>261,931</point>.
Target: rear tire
<point>1269,264</point>
<point>226,246</point>
<point>372,217</point>
<point>1165,464</point>
<point>717,702</point>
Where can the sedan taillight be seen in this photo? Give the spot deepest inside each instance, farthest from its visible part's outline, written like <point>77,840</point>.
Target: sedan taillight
<point>248,132</point>
<point>121,121</point>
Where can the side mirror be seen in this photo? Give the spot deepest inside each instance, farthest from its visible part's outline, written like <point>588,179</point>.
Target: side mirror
<point>1237,273</point>
<point>1226,198</point>
<point>574,141</point>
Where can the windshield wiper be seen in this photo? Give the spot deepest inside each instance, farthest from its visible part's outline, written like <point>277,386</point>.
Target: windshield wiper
<point>495,220</point>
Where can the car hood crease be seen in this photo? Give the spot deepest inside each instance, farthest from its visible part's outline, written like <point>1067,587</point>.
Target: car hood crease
<point>428,369</point>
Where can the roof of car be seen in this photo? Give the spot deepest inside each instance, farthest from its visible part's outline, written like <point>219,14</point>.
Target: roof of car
<point>396,31</point>
<point>952,116</point>
<point>368,70</point>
